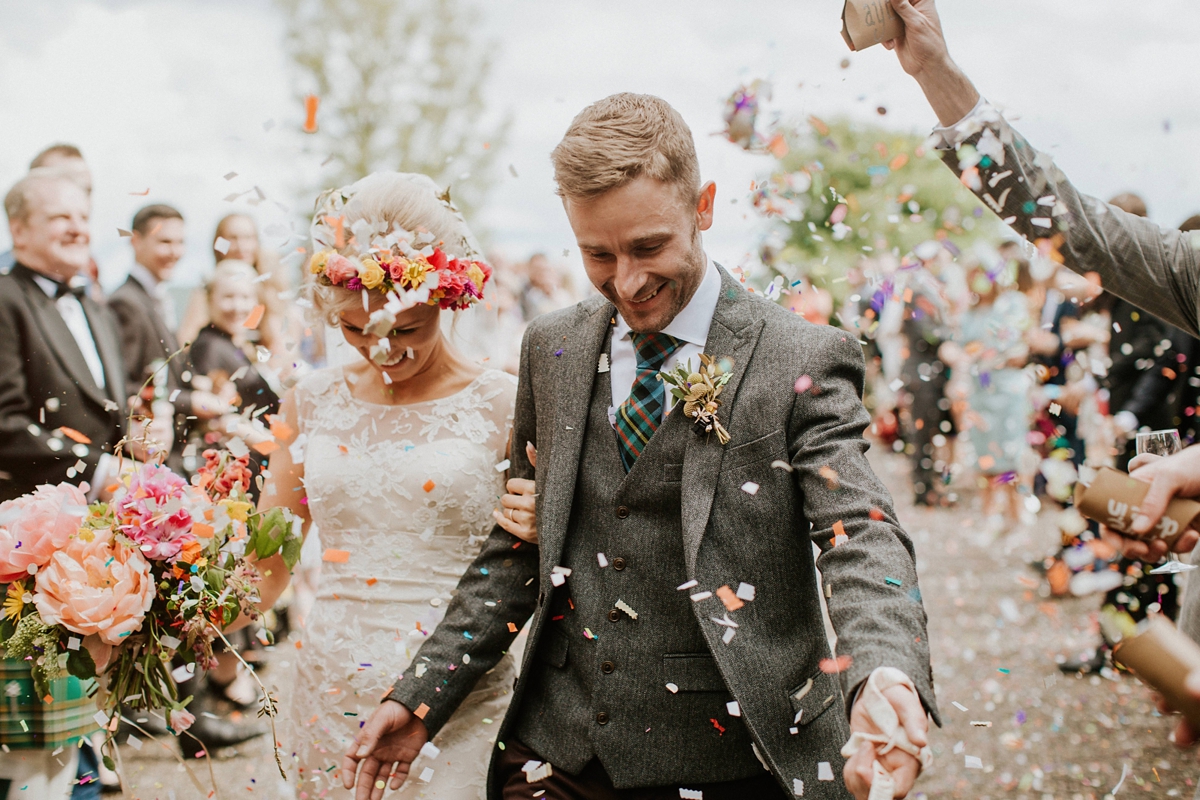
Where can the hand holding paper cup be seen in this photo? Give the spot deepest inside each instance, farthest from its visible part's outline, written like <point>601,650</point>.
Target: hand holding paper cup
<point>1162,657</point>
<point>869,22</point>
<point>1114,499</point>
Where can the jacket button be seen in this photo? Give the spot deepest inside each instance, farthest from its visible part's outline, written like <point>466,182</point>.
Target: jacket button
<point>614,615</point>
<point>607,667</point>
<point>618,563</point>
<point>602,717</point>
<point>622,512</point>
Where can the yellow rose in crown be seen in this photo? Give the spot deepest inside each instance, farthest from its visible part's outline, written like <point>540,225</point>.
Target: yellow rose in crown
<point>372,273</point>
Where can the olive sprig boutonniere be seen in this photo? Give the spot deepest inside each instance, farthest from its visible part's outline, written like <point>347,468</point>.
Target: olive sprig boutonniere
<point>699,391</point>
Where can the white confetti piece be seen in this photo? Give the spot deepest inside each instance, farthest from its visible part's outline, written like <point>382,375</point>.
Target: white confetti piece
<point>1172,567</point>
<point>603,365</point>
<point>621,604</point>
<point>672,688</point>
<point>973,762</point>
<point>698,596</point>
<point>750,487</point>
<point>426,775</point>
<point>134,742</point>
<point>959,706</point>
<point>824,771</point>
<point>430,750</point>
<point>729,634</point>
<point>221,245</point>
<point>746,592</point>
<point>537,770</point>
<point>797,787</point>
<point>557,578</point>
<point>602,560</point>
<point>688,585</point>
<point>691,794</point>
<point>73,643</point>
<point>503,465</point>
<point>781,464</point>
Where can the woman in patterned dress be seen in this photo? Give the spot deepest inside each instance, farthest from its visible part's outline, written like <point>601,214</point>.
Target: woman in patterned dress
<point>398,459</point>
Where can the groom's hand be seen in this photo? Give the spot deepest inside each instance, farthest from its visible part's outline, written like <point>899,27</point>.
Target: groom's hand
<point>858,772</point>
<point>923,54</point>
<point>385,747</point>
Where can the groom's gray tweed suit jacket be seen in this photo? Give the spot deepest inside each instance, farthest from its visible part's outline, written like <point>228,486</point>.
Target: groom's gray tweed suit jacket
<point>621,709</point>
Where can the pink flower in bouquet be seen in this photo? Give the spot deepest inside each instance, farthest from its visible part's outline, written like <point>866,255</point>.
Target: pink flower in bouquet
<point>95,585</point>
<point>42,524</point>
<point>154,513</point>
<point>180,719</point>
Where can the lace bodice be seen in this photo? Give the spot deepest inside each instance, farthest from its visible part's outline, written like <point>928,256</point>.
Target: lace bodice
<point>402,497</point>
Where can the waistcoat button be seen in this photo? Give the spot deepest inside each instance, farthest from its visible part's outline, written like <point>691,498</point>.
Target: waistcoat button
<point>607,667</point>
<point>618,563</point>
<point>622,512</point>
<point>614,616</point>
<point>602,717</point>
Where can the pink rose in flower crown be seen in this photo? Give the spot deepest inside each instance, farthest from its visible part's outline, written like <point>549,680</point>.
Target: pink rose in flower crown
<point>34,526</point>
<point>95,585</point>
<point>339,269</point>
<point>153,512</point>
<point>180,720</point>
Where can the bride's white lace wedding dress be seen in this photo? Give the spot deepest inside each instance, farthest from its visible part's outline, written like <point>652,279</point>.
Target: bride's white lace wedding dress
<point>402,496</point>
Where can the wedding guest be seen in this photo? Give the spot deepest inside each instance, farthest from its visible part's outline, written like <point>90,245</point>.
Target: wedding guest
<point>236,237</point>
<point>62,393</point>
<point>146,318</point>
<point>545,288</point>
<point>67,160</point>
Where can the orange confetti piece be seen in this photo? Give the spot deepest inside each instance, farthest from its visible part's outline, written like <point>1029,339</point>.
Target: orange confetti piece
<point>428,485</point>
<point>74,435</point>
<point>280,429</point>
<point>819,125</point>
<point>839,529</point>
<point>899,161</point>
<point>265,447</point>
<point>343,448</point>
<point>339,229</point>
<point>421,711</point>
<point>512,628</point>
<point>372,581</point>
<point>1168,373</point>
<point>299,644</point>
<point>876,514</point>
<point>141,194</point>
<point>335,556</point>
<point>310,113</point>
<point>256,315</point>
<point>112,487</point>
<point>986,462</point>
<point>732,601</point>
<point>48,699</point>
<point>778,146</point>
<point>202,530</point>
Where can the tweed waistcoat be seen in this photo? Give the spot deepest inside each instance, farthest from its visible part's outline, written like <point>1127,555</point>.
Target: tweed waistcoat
<point>604,684</point>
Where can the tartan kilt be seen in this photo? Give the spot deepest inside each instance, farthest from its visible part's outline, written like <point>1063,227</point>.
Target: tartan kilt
<point>47,726</point>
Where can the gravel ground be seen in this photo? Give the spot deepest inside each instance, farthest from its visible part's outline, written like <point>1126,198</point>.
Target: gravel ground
<point>1045,736</point>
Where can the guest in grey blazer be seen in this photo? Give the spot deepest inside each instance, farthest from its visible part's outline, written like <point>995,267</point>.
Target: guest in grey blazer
<point>677,640</point>
<point>1152,267</point>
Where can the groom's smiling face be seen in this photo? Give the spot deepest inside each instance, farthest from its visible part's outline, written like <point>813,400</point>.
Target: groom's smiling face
<point>641,247</point>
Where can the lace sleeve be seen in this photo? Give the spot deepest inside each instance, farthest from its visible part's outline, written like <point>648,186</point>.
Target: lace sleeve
<point>497,399</point>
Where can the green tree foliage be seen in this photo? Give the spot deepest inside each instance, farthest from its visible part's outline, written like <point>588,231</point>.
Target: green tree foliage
<point>401,87</point>
<point>844,191</point>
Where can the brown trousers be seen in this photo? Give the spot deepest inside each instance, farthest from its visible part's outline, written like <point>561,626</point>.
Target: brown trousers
<point>593,783</point>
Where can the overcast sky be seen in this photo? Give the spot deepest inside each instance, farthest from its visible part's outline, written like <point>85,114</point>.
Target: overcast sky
<point>170,96</point>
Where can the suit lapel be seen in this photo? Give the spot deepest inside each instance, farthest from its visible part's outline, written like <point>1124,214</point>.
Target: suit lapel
<point>575,378</point>
<point>734,334</point>
<point>109,349</point>
<point>59,337</point>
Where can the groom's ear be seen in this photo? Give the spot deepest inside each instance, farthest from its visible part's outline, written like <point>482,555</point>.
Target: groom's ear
<point>706,204</point>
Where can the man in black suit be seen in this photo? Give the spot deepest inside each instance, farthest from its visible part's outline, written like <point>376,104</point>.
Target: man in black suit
<point>62,385</point>
<point>146,321</point>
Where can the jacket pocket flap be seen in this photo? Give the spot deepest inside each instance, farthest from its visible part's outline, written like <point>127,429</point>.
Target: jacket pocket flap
<point>552,649</point>
<point>773,444</point>
<point>693,672</point>
<point>814,697</point>
<point>673,473</point>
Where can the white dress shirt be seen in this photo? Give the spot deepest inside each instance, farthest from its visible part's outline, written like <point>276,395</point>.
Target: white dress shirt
<point>158,291</point>
<point>71,310</point>
<point>690,326</point>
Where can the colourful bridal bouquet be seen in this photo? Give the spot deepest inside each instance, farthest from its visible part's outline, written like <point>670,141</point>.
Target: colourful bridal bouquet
<point>130,590</point>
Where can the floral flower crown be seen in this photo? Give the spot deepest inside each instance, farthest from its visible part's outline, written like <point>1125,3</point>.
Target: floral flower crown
<point>394,261</point>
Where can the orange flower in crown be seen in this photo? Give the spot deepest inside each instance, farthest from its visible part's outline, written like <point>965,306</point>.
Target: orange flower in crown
<point>391,260</point>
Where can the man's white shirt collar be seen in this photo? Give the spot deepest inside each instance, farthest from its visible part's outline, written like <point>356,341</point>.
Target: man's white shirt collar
<point>692,322</point>
<point>146,278</point>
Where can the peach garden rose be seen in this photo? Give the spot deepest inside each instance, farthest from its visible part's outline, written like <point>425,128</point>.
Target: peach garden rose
<point>33,527</point>
<point>94,585</point>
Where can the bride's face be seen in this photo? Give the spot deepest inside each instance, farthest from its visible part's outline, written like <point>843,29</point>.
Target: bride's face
<point>416,331</point>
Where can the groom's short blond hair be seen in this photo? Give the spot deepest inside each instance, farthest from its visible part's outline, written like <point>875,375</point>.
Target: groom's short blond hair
<point>620,138</point>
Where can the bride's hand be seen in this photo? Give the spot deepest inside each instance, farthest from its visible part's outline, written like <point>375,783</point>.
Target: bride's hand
<point>517,513</point>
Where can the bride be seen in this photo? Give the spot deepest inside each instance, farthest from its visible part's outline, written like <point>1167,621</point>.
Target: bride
<point>398,459</point>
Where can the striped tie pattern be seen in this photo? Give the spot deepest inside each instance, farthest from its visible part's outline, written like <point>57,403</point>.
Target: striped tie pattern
<point>639,415</point>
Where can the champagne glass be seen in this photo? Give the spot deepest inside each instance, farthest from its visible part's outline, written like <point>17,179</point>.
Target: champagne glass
<point>1160,443</point>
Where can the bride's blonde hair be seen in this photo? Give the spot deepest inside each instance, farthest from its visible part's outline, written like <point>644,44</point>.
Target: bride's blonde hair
<point>404,199</point>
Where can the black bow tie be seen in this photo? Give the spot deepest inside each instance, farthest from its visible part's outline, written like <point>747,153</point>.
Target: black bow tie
<point>79,290</point>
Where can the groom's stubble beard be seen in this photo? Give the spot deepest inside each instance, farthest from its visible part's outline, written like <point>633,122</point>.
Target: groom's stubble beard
<point>692,272</point>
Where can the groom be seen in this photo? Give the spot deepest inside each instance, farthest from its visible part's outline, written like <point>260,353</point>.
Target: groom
<point>677,642</point>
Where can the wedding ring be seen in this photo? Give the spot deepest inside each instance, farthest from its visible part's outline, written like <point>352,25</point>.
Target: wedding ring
<point>510,515</point>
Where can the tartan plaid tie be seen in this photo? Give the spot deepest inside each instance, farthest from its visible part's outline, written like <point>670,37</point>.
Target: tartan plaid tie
<point>639,415</point>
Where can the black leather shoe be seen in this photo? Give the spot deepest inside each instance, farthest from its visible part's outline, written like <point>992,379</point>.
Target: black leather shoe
<point>1086,666</point>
